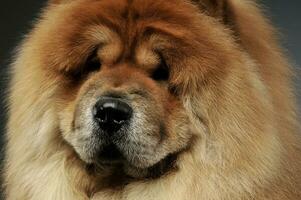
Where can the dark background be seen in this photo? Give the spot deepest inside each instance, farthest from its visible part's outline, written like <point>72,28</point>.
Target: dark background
<point>16,18</point>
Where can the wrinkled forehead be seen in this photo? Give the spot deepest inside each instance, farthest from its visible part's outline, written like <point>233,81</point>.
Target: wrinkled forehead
<point>128,18</point>
<point>130,27</point>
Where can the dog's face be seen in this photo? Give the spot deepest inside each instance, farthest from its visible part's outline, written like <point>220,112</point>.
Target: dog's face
<point>123,70</point>
<point>125,113</point>
<point>123,110</point>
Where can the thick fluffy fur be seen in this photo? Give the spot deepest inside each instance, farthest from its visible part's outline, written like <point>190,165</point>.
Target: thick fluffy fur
<point>228,76</point>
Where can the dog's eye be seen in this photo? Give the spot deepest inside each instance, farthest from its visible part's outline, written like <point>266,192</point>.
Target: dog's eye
<point>173,90</point>
<point>92,64</point>
<point>161,73</point>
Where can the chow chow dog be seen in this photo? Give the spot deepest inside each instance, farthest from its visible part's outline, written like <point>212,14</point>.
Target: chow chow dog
<point>152,100</point>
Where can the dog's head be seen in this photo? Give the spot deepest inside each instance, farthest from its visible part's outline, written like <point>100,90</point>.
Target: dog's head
<point>124,70</point>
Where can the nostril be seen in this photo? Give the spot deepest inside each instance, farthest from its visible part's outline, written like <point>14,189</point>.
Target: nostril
<point>99,114</point>
<point>111,113</point>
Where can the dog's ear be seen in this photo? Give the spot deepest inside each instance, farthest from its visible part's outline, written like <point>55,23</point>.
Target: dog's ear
<point>216,8</point>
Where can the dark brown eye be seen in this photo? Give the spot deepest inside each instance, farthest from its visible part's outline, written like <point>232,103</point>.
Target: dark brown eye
<point>92,64</point>
<point>173,90</point>
<point>161,73</point>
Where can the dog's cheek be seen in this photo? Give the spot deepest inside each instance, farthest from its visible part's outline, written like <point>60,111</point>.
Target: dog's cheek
<point>67,121</point>
<point>178,130</point>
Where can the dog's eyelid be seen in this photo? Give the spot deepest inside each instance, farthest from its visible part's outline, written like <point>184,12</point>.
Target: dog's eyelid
<point>93,65</point>
<point>93,62</point>
<point>161,73</point>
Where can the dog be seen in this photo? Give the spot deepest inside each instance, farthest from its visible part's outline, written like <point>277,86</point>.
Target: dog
<point>152,99</point>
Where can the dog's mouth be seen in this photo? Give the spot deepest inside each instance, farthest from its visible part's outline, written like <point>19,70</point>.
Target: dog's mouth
<point>110,155</point>
<point>110,158</point>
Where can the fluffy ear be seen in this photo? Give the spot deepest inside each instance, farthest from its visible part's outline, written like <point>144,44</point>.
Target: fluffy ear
<point>216,8</point>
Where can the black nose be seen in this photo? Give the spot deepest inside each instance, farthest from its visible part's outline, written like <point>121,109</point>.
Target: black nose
<point>112,113</point>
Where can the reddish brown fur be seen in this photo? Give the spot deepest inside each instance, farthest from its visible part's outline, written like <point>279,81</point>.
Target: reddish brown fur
<point>229,82</point>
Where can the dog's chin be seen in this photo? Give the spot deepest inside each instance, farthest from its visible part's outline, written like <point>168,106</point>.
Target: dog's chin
<point>163,167</point>
<point>123,167</point>
<point>111,161</point>
<point>110,155</point>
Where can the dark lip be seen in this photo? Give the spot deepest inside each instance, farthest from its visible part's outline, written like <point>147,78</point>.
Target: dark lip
<point>110,154</point>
